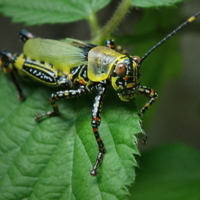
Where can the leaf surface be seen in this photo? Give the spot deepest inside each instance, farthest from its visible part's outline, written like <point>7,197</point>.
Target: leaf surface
<point>49,11</point>
<point>52,159</point>
<point>62,11</point>
<point>155,3</point>
<point>170,171</point>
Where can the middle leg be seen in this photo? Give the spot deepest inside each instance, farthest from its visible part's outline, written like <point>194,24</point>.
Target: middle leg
<point>60,95</point>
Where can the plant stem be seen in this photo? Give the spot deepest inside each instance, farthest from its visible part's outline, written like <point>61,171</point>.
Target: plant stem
<point>113,22</point>
<point>93,24</point>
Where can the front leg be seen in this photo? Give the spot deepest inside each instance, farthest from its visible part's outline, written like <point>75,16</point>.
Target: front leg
<point>60,95</point>
<point>153,95</point>
<point>96,120</point>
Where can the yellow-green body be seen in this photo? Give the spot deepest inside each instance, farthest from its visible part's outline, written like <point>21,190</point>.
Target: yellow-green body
<point>61,58</point>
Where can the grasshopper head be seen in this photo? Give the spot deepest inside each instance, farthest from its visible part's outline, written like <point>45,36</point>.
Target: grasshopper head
<point>126,77</point>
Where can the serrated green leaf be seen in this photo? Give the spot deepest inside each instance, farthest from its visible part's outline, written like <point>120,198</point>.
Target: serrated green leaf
<point>49,11</point>
<point>168,172</point>
<point>52,159</point>
<point>155,3</point>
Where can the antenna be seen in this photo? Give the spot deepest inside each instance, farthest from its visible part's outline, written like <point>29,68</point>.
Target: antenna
<point>191,19</point>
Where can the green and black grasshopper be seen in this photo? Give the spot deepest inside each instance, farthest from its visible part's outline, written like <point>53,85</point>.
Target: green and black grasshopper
<point>86,68</point>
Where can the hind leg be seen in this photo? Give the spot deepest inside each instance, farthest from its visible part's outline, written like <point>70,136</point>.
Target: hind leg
<point>6,62</point>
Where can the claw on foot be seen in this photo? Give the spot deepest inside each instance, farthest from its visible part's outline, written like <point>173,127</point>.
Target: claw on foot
<point>38,117</point>
<point>21,98</point>
<point>93,172</point>
<point>144,140</point>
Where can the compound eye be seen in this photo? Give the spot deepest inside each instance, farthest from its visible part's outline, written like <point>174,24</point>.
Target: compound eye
<point>136,59</point>
<point>120,69</point>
